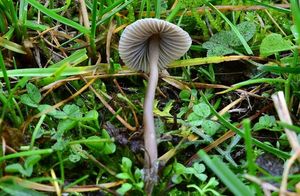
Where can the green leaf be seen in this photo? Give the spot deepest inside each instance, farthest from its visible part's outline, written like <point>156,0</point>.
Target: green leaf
<point>138,174</point>
<point>33,96</point>
<point>32,160</point>
<point>179,168</point>
<point>247,30</point>
<point>274,43</point>
<point>73,111</point>
<point>177,179</point>
<point>235,185</point>
<point>33,92</point>
<point>52,111</point>
<point>14,168</point>
<point>126,164</point>
<point>74,158</point>
<point>108,147</point>
<point>124,188</point>
<point>222,43</point>
<point>91,115</point>
<point>202,110</point>
<point>215,49</point>
<point>95,146</point>
<point>66,125</point>
<point>184,95</point>
<point>266,122</point>
<point>25,99</point>
<point>210,127</point>
<point>123,176</point>
<point>166,110</point>
<point>194,119</point>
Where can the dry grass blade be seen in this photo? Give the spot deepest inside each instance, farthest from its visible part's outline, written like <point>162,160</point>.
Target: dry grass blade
<point>284,116</point>
<point>48,188</point>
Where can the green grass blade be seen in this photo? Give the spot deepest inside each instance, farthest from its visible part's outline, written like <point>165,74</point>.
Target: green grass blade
<point>93,27</point>
<point>174,11</point>
<point>46,72</point>
<point>36,130</point>
<point>11,46</point>
<point>74,59</point>
<point>4,72</point>
<point>35,26</point>
<point>26,153</point>
<point>236,186</point>
<point>59,18</point>
<point>113,12</point>
<point>281,70</point>
<point>157,8</point>
<point>288,126</point>
<point>280,9</point>
<point>204,61</point>
<point>254,81</point>
<point>248,147</point>
<point>296,14</point>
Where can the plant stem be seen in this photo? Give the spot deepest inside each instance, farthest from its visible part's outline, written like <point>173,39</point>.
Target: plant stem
<point>149,130</point>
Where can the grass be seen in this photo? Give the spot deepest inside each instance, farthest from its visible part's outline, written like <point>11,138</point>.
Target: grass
<point>71,111</point>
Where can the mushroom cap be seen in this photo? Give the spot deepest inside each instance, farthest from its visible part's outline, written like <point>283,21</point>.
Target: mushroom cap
<point>134,43</point>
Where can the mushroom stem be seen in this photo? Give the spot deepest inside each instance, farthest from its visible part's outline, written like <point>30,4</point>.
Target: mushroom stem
<point>151,165</point>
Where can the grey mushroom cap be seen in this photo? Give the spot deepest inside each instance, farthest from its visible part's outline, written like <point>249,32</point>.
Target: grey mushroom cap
<point>134,43</point>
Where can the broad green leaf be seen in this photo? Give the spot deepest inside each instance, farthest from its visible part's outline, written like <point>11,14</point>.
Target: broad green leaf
<point>32,160</point>
<point>194,119</point>
<point>109,147</point>
<point>25,99</point>
<point>210,127</point>
<point>66,125</point>
<point>123,176</point>
<point>202,110</point>
<point>14,168</point>
<point>91,115</point>
<point>124,188</point>
<point>33,92</point>
<point>32,97</point>
<point>126,164</point>
<point>214,49</point>
<point>73,111</point>
<point>184,95</point>
<point>52,112</point>
<point>222,43</point>
<point>274,43</point>
<point>95,146</point>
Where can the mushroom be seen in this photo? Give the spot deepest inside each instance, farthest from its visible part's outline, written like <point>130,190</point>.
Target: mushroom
<point>150,45</point>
